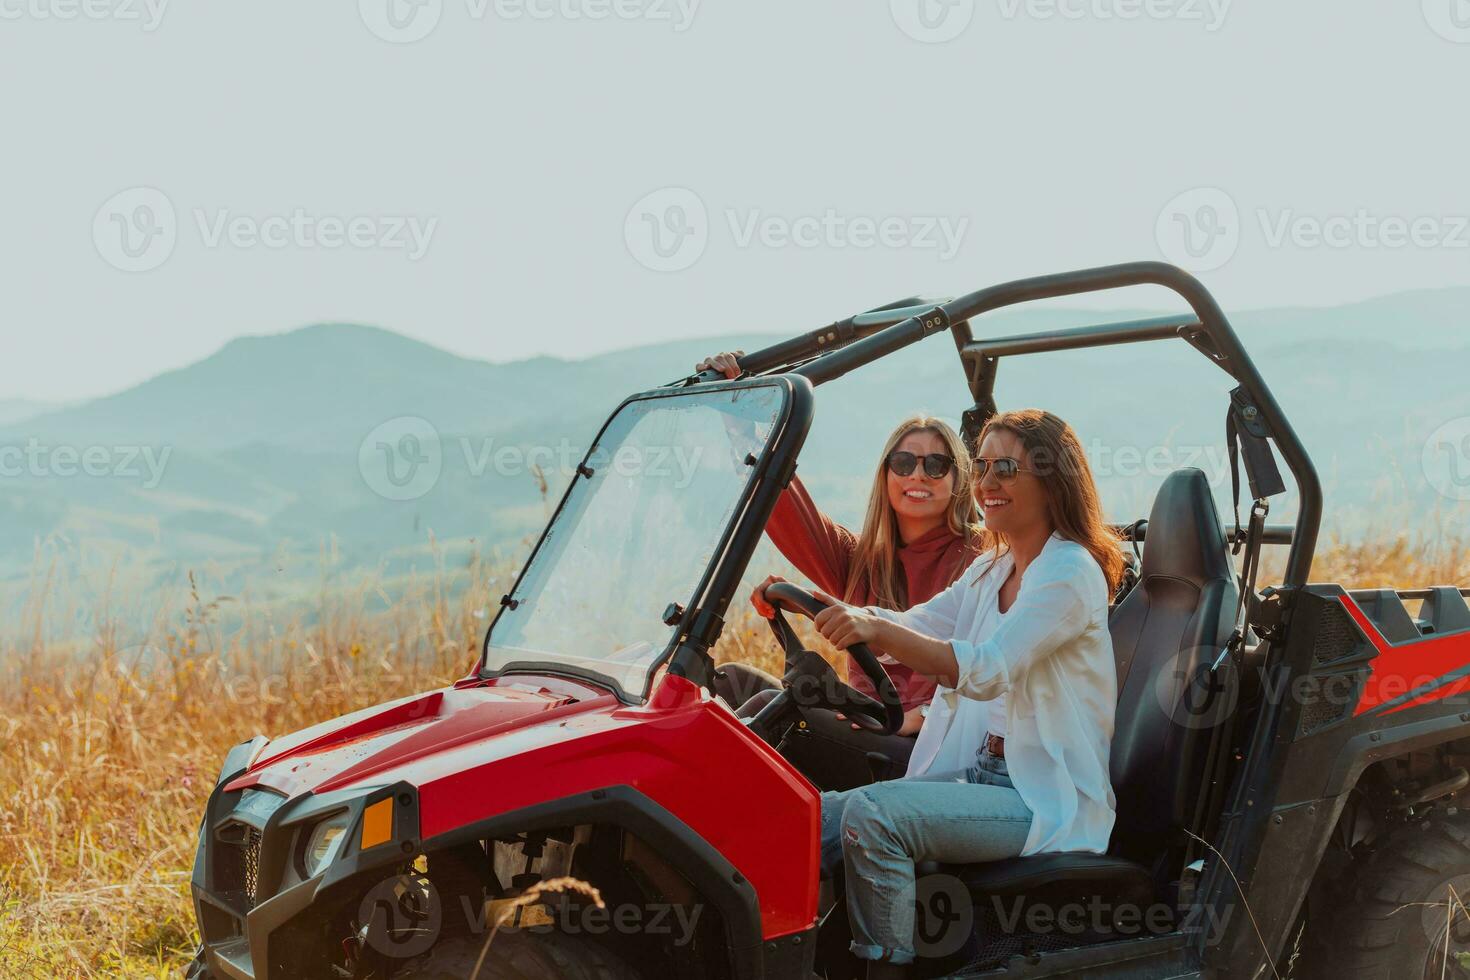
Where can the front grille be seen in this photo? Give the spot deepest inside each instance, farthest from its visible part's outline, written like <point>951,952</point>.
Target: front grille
<point>252,865</point>
<point>238,860</point>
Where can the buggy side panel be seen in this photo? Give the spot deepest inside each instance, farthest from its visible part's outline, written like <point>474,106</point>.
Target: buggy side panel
<point>1359,681</point>
<point>1410,669</point>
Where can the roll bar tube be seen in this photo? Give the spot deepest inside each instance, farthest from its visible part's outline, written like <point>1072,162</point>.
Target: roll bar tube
<point>830,337</point>
<point>1213,327</point>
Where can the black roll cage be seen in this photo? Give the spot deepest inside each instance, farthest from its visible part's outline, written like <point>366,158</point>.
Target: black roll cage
<point>832,351</point>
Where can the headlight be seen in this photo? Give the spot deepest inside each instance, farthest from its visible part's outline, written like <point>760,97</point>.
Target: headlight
<point>324,842</point>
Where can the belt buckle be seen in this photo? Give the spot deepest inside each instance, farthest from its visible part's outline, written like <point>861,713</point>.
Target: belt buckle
<point>995,745</point>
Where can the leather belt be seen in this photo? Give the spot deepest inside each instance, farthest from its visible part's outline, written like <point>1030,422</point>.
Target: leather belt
<point>995,745</point>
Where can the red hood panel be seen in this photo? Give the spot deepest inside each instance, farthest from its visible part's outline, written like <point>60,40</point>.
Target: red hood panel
<point>476,751</point>
<point>354,747</point>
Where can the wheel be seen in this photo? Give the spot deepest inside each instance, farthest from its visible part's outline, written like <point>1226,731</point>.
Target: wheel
<point>520,955</point>
<point>1410,916</point>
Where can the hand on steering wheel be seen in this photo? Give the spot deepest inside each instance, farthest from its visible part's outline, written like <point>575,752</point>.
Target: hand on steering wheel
<point>840,624</point>
<point>818,682</point>
<point>843,625</point>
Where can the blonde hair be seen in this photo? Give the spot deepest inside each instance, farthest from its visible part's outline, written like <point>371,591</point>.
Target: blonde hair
<point>875,561</point>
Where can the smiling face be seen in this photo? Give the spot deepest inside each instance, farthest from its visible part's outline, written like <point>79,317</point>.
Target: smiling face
<point>1012,506</point>
<point>917,497</point>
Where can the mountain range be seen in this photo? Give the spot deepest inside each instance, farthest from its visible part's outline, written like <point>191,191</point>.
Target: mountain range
<point>260,455</point>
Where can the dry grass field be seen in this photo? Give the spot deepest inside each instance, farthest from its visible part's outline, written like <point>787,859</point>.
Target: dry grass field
<point>109,745</point>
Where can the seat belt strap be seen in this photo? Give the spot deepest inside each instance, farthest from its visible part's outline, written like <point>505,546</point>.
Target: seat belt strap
<point>1250,565</point>
<point>1209,792</point>
<point>1232,444</point>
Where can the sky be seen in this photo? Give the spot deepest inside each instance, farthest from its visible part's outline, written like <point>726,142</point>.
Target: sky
<point>505,178</point>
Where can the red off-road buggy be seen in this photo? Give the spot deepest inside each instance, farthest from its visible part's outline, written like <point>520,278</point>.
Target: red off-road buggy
<point>1286,768</point>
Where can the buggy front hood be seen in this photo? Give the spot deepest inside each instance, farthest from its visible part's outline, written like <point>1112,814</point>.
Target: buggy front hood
<point>356,748</point>
<point>469,755</point>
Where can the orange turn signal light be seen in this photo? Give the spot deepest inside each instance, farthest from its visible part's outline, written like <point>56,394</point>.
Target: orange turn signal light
<point>377,824</point>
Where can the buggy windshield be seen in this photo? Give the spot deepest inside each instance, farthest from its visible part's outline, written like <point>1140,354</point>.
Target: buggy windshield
<point>635,533</point>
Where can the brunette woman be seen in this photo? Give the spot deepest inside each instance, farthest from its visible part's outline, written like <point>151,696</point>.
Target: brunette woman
<point>1025,626</point>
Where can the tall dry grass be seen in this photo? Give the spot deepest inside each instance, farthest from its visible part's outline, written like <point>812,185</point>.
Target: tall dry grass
<point>109,743</point>
<point>109,746</point>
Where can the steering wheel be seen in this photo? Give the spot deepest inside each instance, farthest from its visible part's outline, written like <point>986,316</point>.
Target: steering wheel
<point>811,681</point>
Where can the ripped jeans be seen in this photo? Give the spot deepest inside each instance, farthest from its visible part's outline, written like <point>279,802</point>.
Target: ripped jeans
<point>878,832</point>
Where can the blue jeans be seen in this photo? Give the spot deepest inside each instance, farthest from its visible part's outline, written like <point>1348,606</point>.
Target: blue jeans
<point>878,832</point>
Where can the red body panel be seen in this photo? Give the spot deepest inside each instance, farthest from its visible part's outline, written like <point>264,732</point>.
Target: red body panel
<point>478,750</point>
<point>1405,667</point>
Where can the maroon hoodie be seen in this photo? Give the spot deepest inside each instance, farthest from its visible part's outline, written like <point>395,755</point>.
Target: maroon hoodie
<point>822,550</point>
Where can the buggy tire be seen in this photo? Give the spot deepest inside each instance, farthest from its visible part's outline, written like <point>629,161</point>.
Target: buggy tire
<point>1384,932</point>
<point>521,955</point>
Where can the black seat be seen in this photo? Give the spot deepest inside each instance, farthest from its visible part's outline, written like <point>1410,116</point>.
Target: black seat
<point>1023,876</point>
<point>1166,631</point>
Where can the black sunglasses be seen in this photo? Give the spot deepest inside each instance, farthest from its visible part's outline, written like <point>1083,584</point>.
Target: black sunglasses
<point>936,465</point>
<point>1005,467</point>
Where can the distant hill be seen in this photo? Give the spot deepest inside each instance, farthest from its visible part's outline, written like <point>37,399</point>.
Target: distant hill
<point>18,410</point>
<point>323,387</point>
<point>259,443</point>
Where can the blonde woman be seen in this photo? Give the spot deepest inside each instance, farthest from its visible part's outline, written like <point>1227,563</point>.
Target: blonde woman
<point>920,531</point>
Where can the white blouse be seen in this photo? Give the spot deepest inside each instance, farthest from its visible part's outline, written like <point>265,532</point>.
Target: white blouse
<point>1046,664</point>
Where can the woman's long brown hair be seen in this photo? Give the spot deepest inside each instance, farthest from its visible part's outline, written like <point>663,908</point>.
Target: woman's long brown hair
<point>1056,456</point>
<point>875,563</point>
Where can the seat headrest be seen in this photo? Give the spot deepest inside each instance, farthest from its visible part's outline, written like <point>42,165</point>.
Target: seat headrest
<point>1184,538</point>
